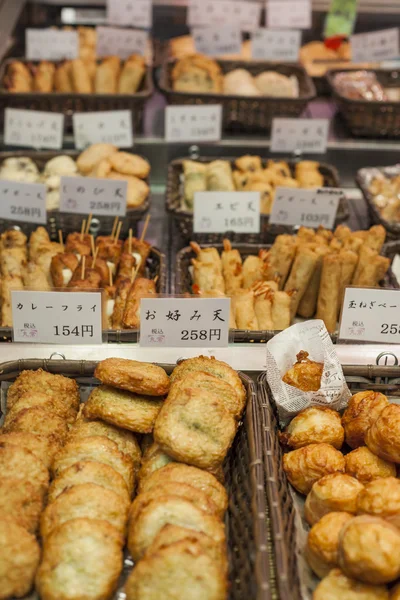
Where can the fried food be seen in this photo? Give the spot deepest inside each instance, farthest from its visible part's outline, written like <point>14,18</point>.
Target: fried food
<point>21,500</point>
<point>381,498</point>
<point>107,75</point>
<point>333,493</point>
<point>306,465</point>
<point>43,77</point>
<point>131,74</point>
<point>39,446</point>
<point>134,376</point>
<point>314,425</point>
<point>365,466</point>
<point>18,78</point>
<point>153,459</point>
<point>337,586</point>
<point>362,411</point>
<point>80,77</point>
<point>21,464</point>
<point>90,157</point>
<point>41,422</point>
<point>138,190</point>
<point>140,288</point>
<point>305,374</point>
<point>62,387</point>
<point>321,550</point>
<point>130,164</point>
<point>383,437</point>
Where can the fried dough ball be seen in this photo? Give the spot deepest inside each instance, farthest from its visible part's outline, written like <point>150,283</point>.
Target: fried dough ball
<point>21,464</point>
<point>365,466</point>
<point>81,559</point>
<point>52,404</point>
<point>22,501</point>
<point>39,422</point>
<point>305,374</point>
<point>134,376</point>
<point>19,559</point>
<point>153,459</point>
<point>381,498</point>
<point>332,493</point>
<point>383,437</point>
<point>89,501</point>
<point>314,425</point>
<point>337,586</point>
<point>362,410</point>
<point>321,550</point>
<point>308,464</point>
<point>58,386</point>
<point>369,550</point>
<point>39,446</point>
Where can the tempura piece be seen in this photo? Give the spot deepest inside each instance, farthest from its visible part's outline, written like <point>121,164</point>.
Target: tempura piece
<point>280,258</point>
<point>308,302</point>
<point>263,298</point>
<point>254,270</point>
<point>305,374</point>
<point>231,268</point>
<point>300,276</point>
<point>243,310</point>
<point>281,310</point>
<point>329,291</point>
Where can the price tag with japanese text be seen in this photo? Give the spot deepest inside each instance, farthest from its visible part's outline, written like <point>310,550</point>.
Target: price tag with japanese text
<point>215,41</point>
<point>179,322</point>
<point>24,202</point>
<point>193,123</point>
<point>33,128</point>
<point>121,42</point>
<point>310,208</point>
<point>219,212</point>
<point>51,44</point>
<point>109,127</point>
<point>304,135</point>
<point>375,46</point>
<point>102,197</point>
<point>274,44</point>
<point>288,14</point>
<point>57,317</point>
<point>371,315</point>
<point>244,15</point>
<point>131,13</point>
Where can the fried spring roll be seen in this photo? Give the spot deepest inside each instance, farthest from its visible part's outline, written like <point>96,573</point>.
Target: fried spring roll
<point>18,78</point>
<point>107,74</point>
<point>207,277</point>
<point>231,268</point>
<point>323,234</point>
<point>328,297</point>
<point>280,258</point>
<point>342,232</point>
<point>245,316</point>
<point>376,237</point>
<point>308,302</point>
<point>336,245</point>
<point>140,287</point>
<point>263,308</point>
<point>365,257</point>
<point>78,243</point>
<point>353,243</point>
<point>305,234</point>
<point>300,276</point>
<point>373,272</point>
<point>35,279</point>
<point>62,267</point>
<point>253,270</point>
<point>80,77</point>
<point>348,260</point>
<point>63,78</point>
<point>131,74</point>
<point>281,310</point>
<point>8,283</point>
<point>43,79</point>
<point>123,287</point>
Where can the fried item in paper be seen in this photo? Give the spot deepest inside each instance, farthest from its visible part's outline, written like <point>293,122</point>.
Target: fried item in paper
<point>305,374</point>
<point>19,559</point>
<point>134,376</point>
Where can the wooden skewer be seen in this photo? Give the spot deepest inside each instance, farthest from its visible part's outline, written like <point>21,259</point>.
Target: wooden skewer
<point>89,222</point>
<point>92,245</point>
<point>114,227</point>
<point>110,277</point>
<point>83,267</point>
<point>60,238</point>
<point>94,258</point>
<point>155,280</point>
<point>145,226</point>
<point>134,273</point>
<point>83,228</point>
<point>118,232</point>
<point>130,241</point>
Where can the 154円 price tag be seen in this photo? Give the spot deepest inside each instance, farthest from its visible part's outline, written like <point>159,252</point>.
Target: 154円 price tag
<point>51,44</point>
<point>274,44</point>
<point>375,46</point>
<point>215,41</point>
<point>288,14</point>
<point>310,208</point>
<point>121,42</point>
<point>220,212</point>
<point>193,123</point>
<point>177,322</point>
<point>244,15</point>
<point>303,135</point>
<point>102,197</point>
<point>108,127</point>
<point>133,13</point>
<point>371,315</point>
<point>57,317</point>
<point>25,202</point>
<point>33,128</point>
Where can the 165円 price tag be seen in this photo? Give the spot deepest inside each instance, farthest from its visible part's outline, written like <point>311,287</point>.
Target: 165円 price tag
<point>288,14</point>
<point>304,135</point>
<point>219,212</point>
<point>244,15</point>
<point>193,123</point>
<point>215,41</point>
<point>371,315</point>
<point>33,128</point>
<point>57,317</point>
<point>25,202</point>
<point>51,44</point>
<point>134,13</point>
<point>102,197</point>
<point>121,42</point>
<point>177,322</point>
<point>274,44</point>
<point>375,46</point>
<point>310,208</point>
<point>109,127</point>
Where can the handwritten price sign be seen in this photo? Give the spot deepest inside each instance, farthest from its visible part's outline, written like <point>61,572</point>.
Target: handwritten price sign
<point>311,208</point>
<point>219,212</point>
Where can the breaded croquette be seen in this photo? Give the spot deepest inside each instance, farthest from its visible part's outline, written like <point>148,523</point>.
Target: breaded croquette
<point>134,376</point>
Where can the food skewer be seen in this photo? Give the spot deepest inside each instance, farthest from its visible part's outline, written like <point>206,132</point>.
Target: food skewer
<point>118,232</point>
<point>130,241</point>
<point>114,227</point>
<point>89,223</point>
<point>145,226</point>
<point>60,238</point>
<point>83,267</point>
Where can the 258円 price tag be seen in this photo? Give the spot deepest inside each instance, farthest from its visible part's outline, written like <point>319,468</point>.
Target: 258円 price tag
<point>33,128</point>
<point>121,42</point>
<point>193,123</point>
<point>57,317</point>
<point>134,13</point>
<point>371,315</point>
<point>103,127</point>
<point>274,44</point>
<point>288,14</point>
<point>375,46</point>
<point>215,41</point>
<point>25,202</point>
<point>244,15</point>
<point>303,135</point>
<point>51,44</point>
<point>310,208</point>
<point>177,322</point>
<point>102,197</point>
<point>220,212</point>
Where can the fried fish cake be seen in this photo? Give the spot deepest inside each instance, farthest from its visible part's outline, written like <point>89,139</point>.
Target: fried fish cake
<point>22,501</point>
<point>59,386</point>
<point>130,164</point>
<point>19,559</point>
<point>21,464</point>
<point>153,459</point>
<point>38,445</point>
<point>124,409</point>
<point>50,403</point>
<point>39,421</point>
<point>134,376</point>
<point>82,559</point>
<point>90,157</point>
<point>87,500</point>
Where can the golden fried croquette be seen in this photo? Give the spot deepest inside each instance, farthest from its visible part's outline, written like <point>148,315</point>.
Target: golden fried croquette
<point>22,501</point>
<point>332,493</point>
<point>21,464</point>
<point>337,586</point>
<point>123,409</point>
<point>19,559</point>
<point>52,404</point>
<point>86,500</point>
<point>321,550</point>
<point>38,445</point>
<point>305,374</point>
<point>304,466</point>
<point>365,466</point>
<point>134,376</point>
<point>314,425</point>
<point>40,422</point>
<point>81,559</point>
<point>89,471</point>
<point>362,410</point>
<point>153,459</point>
<point>383,437</point>
<point>59,386</point>
<point>381,498</point>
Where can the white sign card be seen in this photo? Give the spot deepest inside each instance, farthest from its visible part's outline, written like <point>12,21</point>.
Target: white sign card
<point>109,127</point>
<point>180,322</point>
<point>396,267</point>
<point>310,208</point>
<point>57,317</point>
<point>25,202</point>
<point>288,14</point>
<point>205,13</point>
<point>193,123</point>
<point>275,44</point>
<point>375,46</point>
<point>121,42</point>
<point>33,128</point>
<point>370,315</point>
<point>51,44</point>
<point>219,212</point>
<point>215,41</point>
<point>131,13</point>
<point>304,135</point>
<point>102,197</point>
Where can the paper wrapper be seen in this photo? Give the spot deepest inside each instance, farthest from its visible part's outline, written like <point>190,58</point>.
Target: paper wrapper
<point>313,337</point>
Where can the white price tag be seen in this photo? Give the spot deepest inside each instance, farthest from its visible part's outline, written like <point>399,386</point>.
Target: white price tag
<point>274,44</point>
<point>24,202</point>
<point>193,123</point>
<point>396,267</point>
<point>310,208</point>
<point>244,15</point>
<point>133,13</point>
<point>180,322</point>
<point>57,317</point>
<point>371,315</point>
<point>102,197</point>
<point>219,212</point>
<point>51,44</point>
<point>305,135</point>
<point>375,46</point>
<point>288,14</point>
<point>121,42</point>
<point>215,41</point>
<point>110,127</point>
<point>33,128</point>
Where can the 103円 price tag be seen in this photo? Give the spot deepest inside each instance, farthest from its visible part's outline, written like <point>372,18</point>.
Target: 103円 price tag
<point>121,42</point>
<point>288,14</point>
<point>23,202</point>
<point>102,197</point>
<point>274,44</point>
<point>193,123</point>
<point>134,13</point>
<point>244,15</point>
<point>179,322</point>
<point>57,317</point>
<point>371,315</point>
<point>303,135</point>
<point>51,44</point>
<point>104,127</point>
<point>375,46</point>
<point>215,41</point>
<point>33,128</point>
<point>220,212</point>
<point>310,208</point>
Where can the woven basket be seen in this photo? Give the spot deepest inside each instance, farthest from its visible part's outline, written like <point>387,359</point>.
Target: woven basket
<point>392,228</point>
<point>184,218</point>
<point>246,520</point>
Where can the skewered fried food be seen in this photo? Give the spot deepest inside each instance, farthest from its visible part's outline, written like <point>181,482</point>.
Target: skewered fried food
<point>141,287</point>
<point>134,376</point>
<point>123,287</point>
<point>305,374</point>
<point>62,268</point>
<point>43,77</point>
<point>78,243</point>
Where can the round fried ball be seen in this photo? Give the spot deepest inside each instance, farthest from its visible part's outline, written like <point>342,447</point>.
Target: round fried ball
<point>363,409</point>
<point>383,437</point>
<point>314,425</point>
<point>323,541</point>
<point>365,466</point>
<point>337,586</point>
<point>306,465</point>
<point>333,493</point>
<point>381,498</point>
